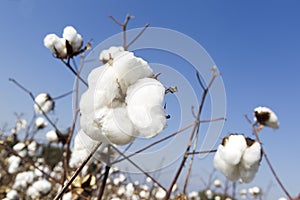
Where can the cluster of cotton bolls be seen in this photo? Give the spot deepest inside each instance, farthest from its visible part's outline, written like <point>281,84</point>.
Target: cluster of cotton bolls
<point>254,192</point>
<point>122,101</point>
<point>64,47</point>
<point>238,158</point>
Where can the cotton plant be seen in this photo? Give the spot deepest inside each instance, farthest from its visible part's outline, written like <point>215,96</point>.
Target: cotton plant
<point>43,103</point>
<point>69,45</point>
<point>122,101</point>
<point>238,158</point>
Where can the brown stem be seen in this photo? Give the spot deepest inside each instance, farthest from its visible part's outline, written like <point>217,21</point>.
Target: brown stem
<point>104,180</point>
<point>195,128</point>
<point>268,161</point>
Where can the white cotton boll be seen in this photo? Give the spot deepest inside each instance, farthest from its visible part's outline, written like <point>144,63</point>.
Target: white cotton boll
<point>45,102</point>
<point>60,48</point>
<point>110,53</point>
<point>43,186</point>
<point>234,146</point>
<point>282,198</point>
<point>217,183</point>
<point>121,191</point>
<point>12,195</point>
<point>193,195</point>
<point>52,136</point>
<point>13,164</point>
<point>45,169</point>
<point>23,179</point>
<point>40,123</point>
<point>144,104</point>
<point>19,146</point>
<point>209,194</point>
<point>67,196</point>
<point>266,116</point>
<point>231,172</point>
<point>69,33</point>
<point>33,192</point>
<point>34,149</point>
<point>160,193</point>
<point>129,190</point>
<point>115,125</point>
<point>144,194</point>
<point>217,198</point>
<point>77,43</point>
<point>49,41</point>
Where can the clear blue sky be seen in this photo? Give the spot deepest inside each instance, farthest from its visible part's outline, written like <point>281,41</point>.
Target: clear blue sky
<point>255,44</point>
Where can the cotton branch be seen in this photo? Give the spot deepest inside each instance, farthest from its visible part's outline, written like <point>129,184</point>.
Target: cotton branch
<point>124,30</point>
<point>255,132</point>
<point>193,133</point>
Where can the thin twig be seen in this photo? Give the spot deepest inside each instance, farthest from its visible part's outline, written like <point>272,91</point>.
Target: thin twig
<point>268,161</point>
<point>195,128</point>
<point>78,170</point>
<point>202,152</point>
<point>139,168</point>
<point>102,188</point>
<point>74,72</point>
<point>63,95</point>
<point>138,35</point>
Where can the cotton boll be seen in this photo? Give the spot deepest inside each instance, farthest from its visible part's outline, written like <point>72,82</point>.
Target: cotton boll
<point>19,146</point>
<point>33,192</point>
<point>209,194</point>
<point>49,41</point>
<point>234,145</point>
<point>33,149</point>
<point>60,48</point>
<point>43,186</point>
<point>12,195</point>
<point>266,116</point>
<point>21,124</point>
<point>67,196</point>
<point>231,172</point>
<point>77,43</point>
<point>70,33</point>
<point>52,136</point>
<point>40,123</point>
<point>23,179</point>
<point>115,125</point>
<point>160,194</point>
<point>43,103</point>
<point>13,164</point>
<point>144,104</point>
<point>217,183</point>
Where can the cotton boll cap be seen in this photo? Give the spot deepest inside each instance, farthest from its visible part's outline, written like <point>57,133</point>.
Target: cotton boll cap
<point>43,103</point>
<point>266,117</point>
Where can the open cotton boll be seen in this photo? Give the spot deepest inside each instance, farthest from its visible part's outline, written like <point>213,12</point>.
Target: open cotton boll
<point>49,41</point>
<point>144,104</point>
<point>266,116</point>
<point>42,186</point>
<point>40,123</point>
<point>21,124</point>
<point>23,179</point>
<point>69,33</point>
<point>115,125</point>
<point>234,146</point>
<point>19,146</point>
<point>231,172</point>
<point>13,164</point>
<point>33,192</point>
<point>52,136</point>
<point>43,102</point>
<point>77,43</point>
<point>12,195</point>
<point>60,48</point>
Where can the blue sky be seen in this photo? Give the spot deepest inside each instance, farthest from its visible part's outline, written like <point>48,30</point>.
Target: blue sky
<point>255,45</point>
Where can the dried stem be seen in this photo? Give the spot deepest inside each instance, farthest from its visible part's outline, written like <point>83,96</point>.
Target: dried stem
<point>74,72</point>
<point>195,128</point>
<point>124,30</point>
<point>102,188</point>
<point>63,95</point>
<point>78,170</point>
<point>139,168</point>
<point>202,152</point>
<point>255,131</point>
